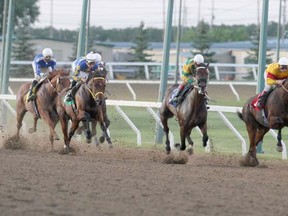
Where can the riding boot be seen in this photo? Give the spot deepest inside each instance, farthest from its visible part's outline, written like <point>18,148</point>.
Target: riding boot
<point>177,94</point>
<point>69,96</point>
<point>262,98</point>
<point>32,92</point>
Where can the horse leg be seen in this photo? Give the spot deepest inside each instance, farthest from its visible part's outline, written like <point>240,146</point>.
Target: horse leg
<point>164,121</point>
<point>183,133</point>
<point>104,130</point>
<point>52,124</point>
<point>107,123</point>
<point>86,122</point>
<point>64,126</point>
<point>205,137</point>
<point>255,136</point>
<point>279,147</point>
<point>190,141</point>
<point>34,128</point>
<point>74,126</point>
<point>20,115</point>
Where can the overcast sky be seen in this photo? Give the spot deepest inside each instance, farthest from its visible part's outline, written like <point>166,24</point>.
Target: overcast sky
<point>66,14</point>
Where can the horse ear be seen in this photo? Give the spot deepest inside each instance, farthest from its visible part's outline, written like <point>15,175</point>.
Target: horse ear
<point>207,65</point>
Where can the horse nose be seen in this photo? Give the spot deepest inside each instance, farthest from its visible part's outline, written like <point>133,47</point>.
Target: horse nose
<point>98,102</point>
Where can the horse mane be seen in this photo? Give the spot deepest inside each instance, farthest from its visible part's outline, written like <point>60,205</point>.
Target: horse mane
<point>59,72</point>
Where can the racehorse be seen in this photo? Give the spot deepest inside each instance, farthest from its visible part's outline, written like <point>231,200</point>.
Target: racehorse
<point>44,106</point>
<point>259,122</point>
<point>89,99</point>
<point>192,112</point>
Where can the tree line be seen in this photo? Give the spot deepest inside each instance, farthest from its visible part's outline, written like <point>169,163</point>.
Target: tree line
<point>202,36</point>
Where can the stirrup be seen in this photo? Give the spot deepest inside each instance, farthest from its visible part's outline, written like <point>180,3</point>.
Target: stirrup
<point>68,97</point>
<point>31,97</point>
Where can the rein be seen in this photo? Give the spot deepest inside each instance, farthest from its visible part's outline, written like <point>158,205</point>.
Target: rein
<point>91,92</point>
<point>284,87</point>
<point>54,88</point>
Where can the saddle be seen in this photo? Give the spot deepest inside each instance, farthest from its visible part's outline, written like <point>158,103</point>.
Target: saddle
<point>259,113</point>
<point>182,95</point>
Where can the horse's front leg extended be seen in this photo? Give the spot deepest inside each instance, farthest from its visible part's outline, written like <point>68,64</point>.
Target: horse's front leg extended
<point>164,121</point>
<point>34,128</point>
<point>205,137</point>
<point>279,147</point>
<point>87,127</point>
<point>104,130</point>
<point>183,133</point>
<point>74,126</point>
<point>190,141</point>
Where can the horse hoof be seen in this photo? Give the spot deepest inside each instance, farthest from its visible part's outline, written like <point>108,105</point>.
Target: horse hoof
<point>31,130</point>
<point>56,137</point>
<point>167,149</point>
<point>101,139</point>
<point>190,150</point>
<point>78,131</point>
<point>88,140</point>
<point>177,146</point>
<point>279,148</point>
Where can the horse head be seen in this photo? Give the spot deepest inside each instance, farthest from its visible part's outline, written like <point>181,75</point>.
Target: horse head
<point>202,76</point>
<point>60,79</point>
<point>96,85</point>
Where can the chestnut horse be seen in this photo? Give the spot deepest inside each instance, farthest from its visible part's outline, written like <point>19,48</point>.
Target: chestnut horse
<point>88,107</point>
<point>192,112</point>
<point>44,106</point>
<point>259,122</point>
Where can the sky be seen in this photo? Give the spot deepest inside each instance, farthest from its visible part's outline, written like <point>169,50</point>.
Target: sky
<point>66,14</point>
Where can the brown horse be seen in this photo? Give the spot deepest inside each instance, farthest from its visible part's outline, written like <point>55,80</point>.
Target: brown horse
<point>88,107</point>
<point>259,122</point>
<point>44,106</point>
<point>192,112</point>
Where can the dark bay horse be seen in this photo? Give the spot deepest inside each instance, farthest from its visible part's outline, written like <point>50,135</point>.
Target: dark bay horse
<point>274,115</point>
<point>88,107</point>
<point>192,112</point>
<point>44,106</point>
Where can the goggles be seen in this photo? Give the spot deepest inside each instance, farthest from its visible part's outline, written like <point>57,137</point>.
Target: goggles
<point>283,67</point>
<point>47,57</point>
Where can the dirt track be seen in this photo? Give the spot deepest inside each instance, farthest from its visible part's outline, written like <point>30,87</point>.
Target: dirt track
<point>122,181</point>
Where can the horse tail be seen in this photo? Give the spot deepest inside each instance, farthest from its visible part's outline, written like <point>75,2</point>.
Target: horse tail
<point>239,114</point>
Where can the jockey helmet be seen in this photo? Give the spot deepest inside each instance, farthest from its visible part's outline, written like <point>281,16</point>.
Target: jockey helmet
<point>47,52</point>
<point>90,58</point>
<point>98,57</point>
<point>283,63</point>
<point>199,59</point>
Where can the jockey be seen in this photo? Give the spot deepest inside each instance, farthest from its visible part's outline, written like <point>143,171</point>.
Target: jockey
<point>42,64</point>
<point>275,74</point>
<point>188,74</point>
<point>81,68</point>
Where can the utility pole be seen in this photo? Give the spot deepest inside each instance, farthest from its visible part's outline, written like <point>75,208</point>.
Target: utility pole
<point>279,31</point>
<point>284,19</point>
<point>178,43</point>
<point>199,10</point>
<point>212,15</point>
<point>51,20</point>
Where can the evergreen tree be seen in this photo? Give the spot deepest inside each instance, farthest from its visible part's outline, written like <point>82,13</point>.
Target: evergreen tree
<point>22,48</point>
<point>253,54</point>
<point>201,45</point>
<point>138,51</point>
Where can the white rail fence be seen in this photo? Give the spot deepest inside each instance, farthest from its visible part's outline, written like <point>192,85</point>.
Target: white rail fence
<point>150,105</point>
<point>223,71</point>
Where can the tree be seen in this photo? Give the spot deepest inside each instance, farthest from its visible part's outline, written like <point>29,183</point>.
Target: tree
<point>22,48</point>
<point>22,9</point>
<point>253,54</point>
<point>138,51</point>
<point>201,44</point>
